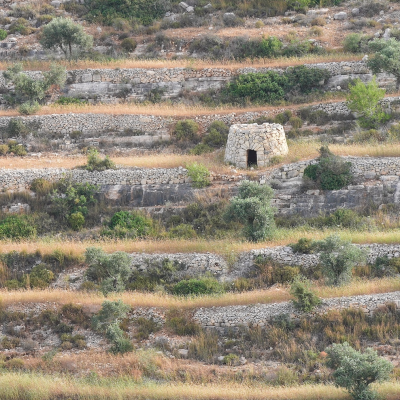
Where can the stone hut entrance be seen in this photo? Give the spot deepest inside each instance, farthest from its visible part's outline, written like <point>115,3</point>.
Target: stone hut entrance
<point>253,145</point>
<point>251,158</point>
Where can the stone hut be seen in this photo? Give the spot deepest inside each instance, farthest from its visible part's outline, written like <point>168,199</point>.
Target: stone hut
<point>252,144</point>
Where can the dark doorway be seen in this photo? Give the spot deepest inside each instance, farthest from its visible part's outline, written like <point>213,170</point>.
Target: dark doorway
<point>251,158</point>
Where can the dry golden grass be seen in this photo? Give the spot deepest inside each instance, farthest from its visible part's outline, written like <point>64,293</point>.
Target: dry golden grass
<point>137,299</point>
<point>17,386</point>
<point>191,63</point>
<point>226,247</point>
<point>298,150</point>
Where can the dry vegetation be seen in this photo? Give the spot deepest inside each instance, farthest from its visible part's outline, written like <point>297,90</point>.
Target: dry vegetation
<point>191,63</point>
<point>16,386</point>
<point>138,299</point>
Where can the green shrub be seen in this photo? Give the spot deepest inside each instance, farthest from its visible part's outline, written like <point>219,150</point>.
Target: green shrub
<point>197,287</point>
<point>355,371</point>
<point>305,80</point>
<point>17,127</point>
<point>4,149</point>
<point>217,134</point>
<point>338,258</point>
<point>76,221</point>
<point>283,118</point>
<point>186,130</point>
<point>120,343</point>
<point>352,43</point>
<point>22,26</point>
<point>40,276</point>
<point>112,271</point>
<point>331,172</point>
<point>95,163</point>
<point>126,224</point>
<point>201,148</point>
<point>231,359</point>
<point>16,149</point>
<point>371,135</point>
<point>65,101</point>
<point>304,246</point>
<point>16,227</point>
<point>111,312</point>
<point>365,100</point>
<point>305,300</point>
<point>128,45</point>
<point>199,174</point>
<point>3,34</point>
<point>252,207</point>
<point>296,122</point>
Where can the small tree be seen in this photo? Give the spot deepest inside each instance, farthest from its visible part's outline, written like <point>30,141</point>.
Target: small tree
<point>65,34</point>
<point>386,57</point>
<point>252,207</point>
<point>112,270</point>
<point>199,174</point>
<point>305,300</point>
<point>29,91</point>
<point>355,371</point>
<point>338,258</point>
<point>365,100</point>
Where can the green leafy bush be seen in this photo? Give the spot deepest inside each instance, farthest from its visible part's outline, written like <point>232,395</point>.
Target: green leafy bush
<point>145,326</point>
<point>40,277</point>
<point>3,34</point>
<point>126,224</point>
<point>17,127</point>
<point>356,371</point>
<point>76,221</point>
<point>95,163</point>
<point>15,148</point>
<point>305,300</point>
<point>4,149</point>
<point>128,44</point>
<point>199,175</point>
<point>197,287</point>
<point>217,134</point>
<point>331,172</point>
<point>304,246</point>
<point>41,186</point>
<point>112,271</point>
<point>365,100</point>
<point>184,231</point>
<point>338,258</point>
<point>16,227</point>
<point>186,130</point>
<point>29,107</point>
<point>252,207</point>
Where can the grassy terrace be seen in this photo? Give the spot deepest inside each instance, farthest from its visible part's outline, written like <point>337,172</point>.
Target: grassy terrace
<point>140,299</point>
<point>191,63</point>
<point>298,150</point>
<point>15,386</point>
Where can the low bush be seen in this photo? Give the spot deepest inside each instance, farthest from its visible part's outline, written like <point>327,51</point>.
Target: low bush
<point>76,221</point>
<point>331,172</point>
<point>268,272</point>
<point>42,186</point>
<point>3,34</point>
<point>29,107</point>
<point>16,127</point>
<point>95,163</point>
<point>40,277</point>
<point>197,287</point>
<point>184,231</point>
<point>186,130</point>
<point>65,101</point>
<point>126,224</point>
<point>128,44</point>
<point>199,174</point>
<point>17,227</point>
<point>305,300</point>
<point>303,246</point>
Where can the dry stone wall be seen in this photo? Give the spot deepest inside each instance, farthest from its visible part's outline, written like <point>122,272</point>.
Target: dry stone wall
<point>138,83</point>
<point>223,318</point>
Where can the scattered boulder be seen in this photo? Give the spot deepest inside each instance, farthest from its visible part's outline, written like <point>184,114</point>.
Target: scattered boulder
<point>340,16</point>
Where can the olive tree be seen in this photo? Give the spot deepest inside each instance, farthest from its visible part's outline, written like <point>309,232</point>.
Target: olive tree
<point>252,207</point>
<point>338,258</point>
<point>355,371</point>
<point>65,34</point>
<point>386,57</point>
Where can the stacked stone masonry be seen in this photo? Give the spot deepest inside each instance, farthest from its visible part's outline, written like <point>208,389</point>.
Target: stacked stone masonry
<point>223,318</point>
<point>137,83</point>
<point>264,141</point>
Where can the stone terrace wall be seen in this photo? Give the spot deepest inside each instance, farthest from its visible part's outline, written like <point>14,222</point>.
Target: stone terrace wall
<point>260,314</point>
<point>137,83</point>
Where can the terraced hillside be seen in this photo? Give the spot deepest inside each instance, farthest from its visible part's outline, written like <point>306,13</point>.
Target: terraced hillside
<point>136,262</point>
